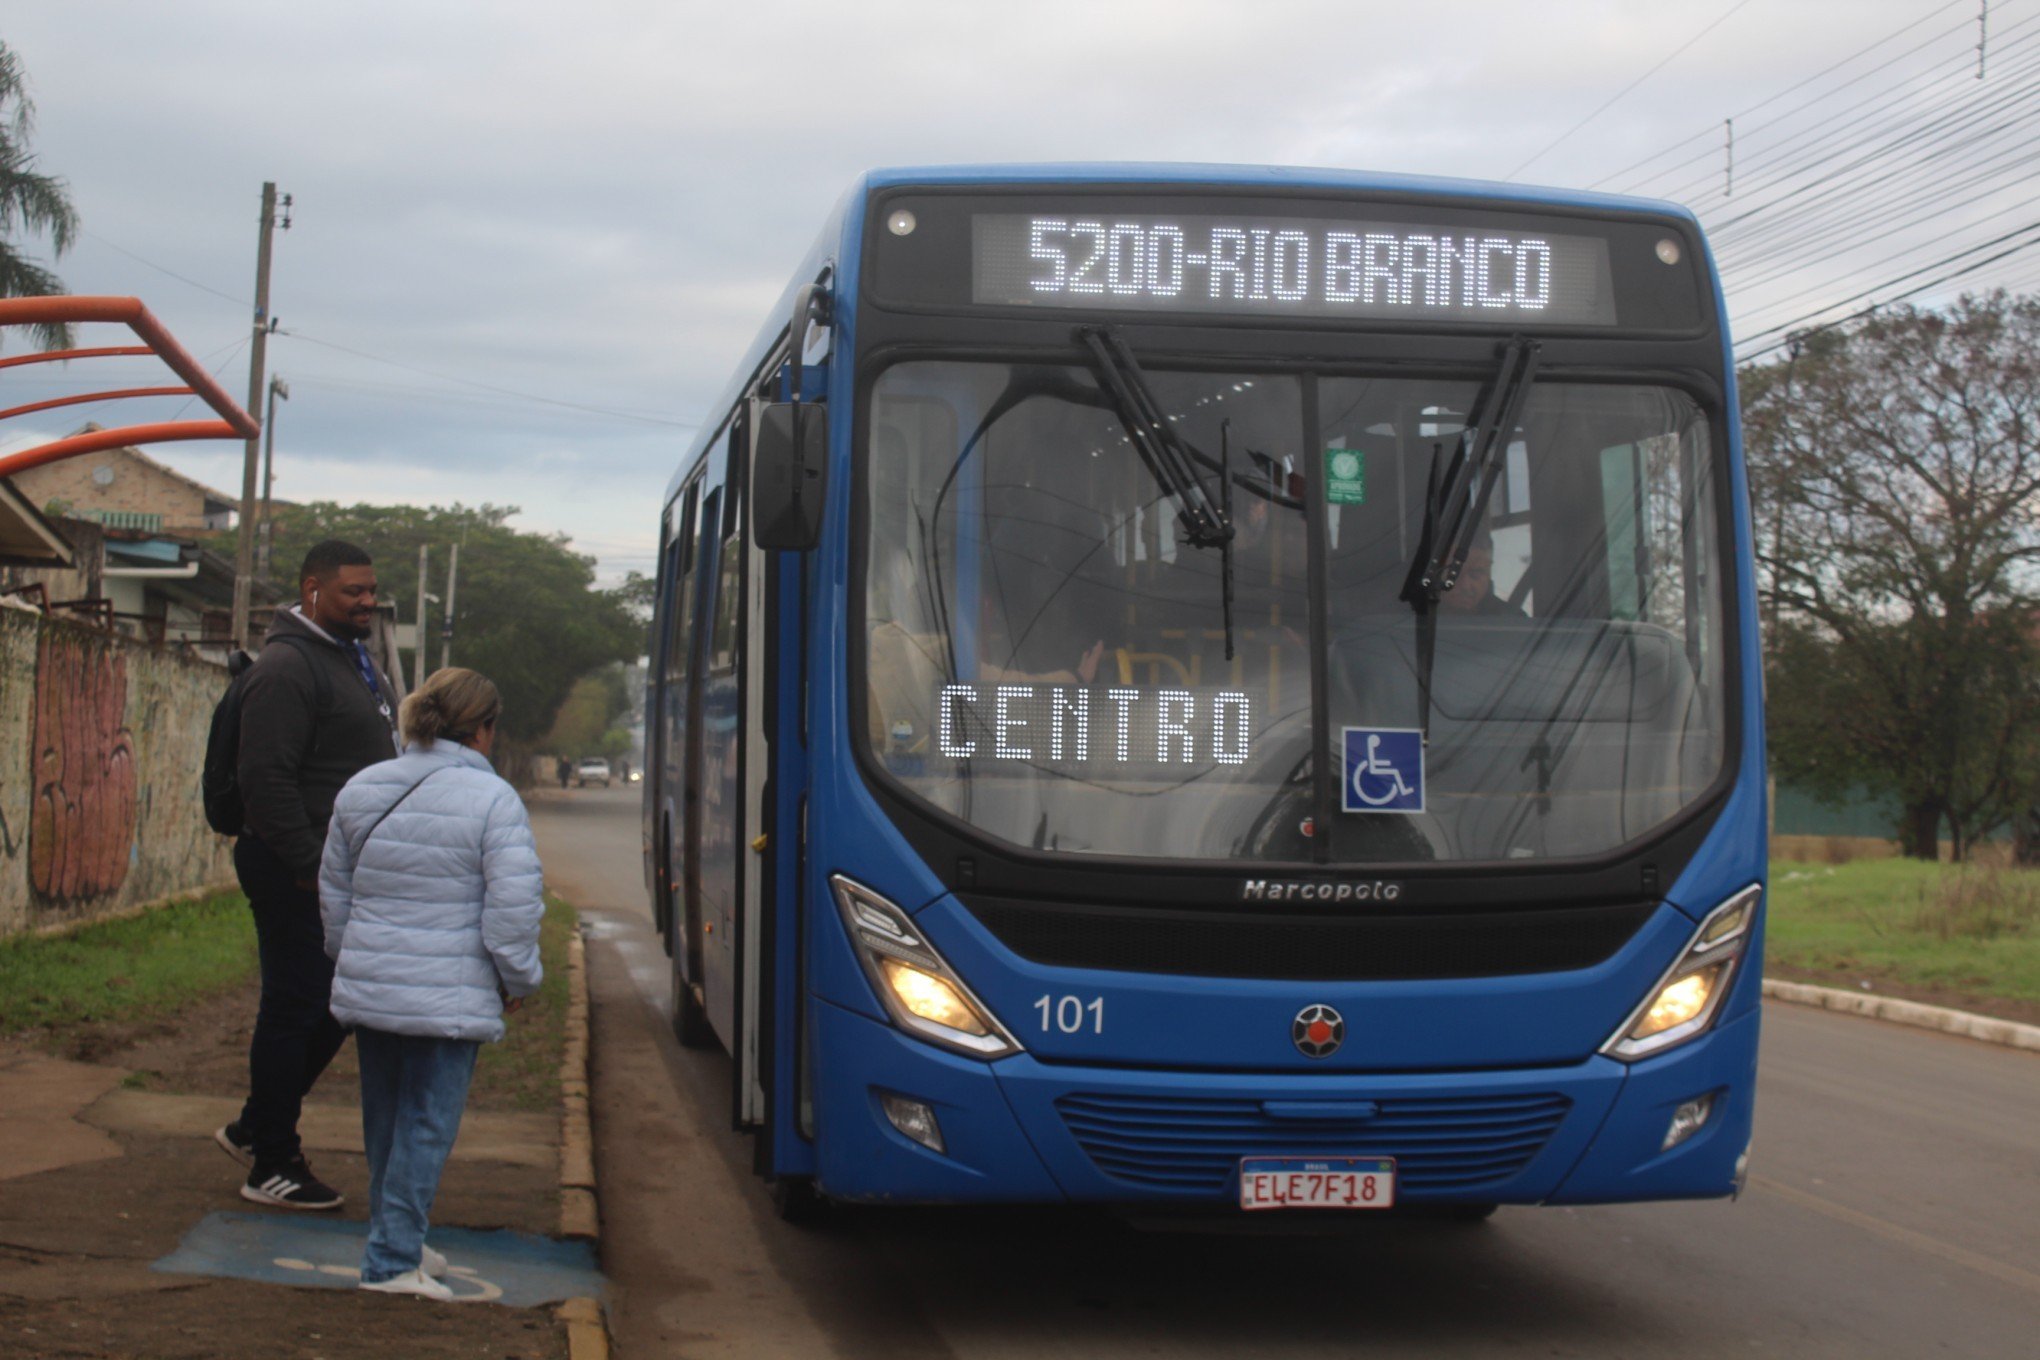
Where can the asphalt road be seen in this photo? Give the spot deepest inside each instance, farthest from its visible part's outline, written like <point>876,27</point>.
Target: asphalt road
<point>1893,1210</point>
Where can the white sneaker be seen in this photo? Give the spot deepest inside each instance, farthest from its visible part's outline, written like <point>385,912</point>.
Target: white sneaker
<point>411,1282</point>
<point>431,1262</point>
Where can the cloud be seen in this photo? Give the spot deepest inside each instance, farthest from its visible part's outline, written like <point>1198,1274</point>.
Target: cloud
<point>598,203</point>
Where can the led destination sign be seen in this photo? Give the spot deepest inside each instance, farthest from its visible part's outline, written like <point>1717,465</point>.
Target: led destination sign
<point>1290,266</point>
<point>1071,725</point>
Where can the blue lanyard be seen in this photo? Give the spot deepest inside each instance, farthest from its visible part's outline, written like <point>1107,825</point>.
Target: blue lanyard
<point>367,669</point>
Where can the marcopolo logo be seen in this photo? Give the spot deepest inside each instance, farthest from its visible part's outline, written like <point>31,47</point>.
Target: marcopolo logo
<point>1302,890</point>
<point>1317,1031</point>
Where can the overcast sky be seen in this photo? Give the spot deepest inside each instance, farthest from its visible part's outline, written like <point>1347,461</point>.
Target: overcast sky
<point>595,203</point>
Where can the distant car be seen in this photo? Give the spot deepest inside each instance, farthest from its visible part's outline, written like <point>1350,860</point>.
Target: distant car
<point>592,770</point>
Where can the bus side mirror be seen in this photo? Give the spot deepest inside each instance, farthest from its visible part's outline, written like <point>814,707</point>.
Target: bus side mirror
<point>789,475</point>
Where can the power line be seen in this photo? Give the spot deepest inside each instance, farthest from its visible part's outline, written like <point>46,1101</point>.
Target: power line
<point>160,269</point>
<point>1791,329</point>
<point>2027,230</point>
<point>1791,89</point>
<point>489,400</point>
<point>1906,217</point>
<point>233,352</point>
<point>1953,72</point>
<point>1853,215</point>
<point>1775,303</point>
<point>491,387</point>
<point>376,358</point>
<point>1617,96</point>
<point>1910,143</point>
<point>1891,164</point>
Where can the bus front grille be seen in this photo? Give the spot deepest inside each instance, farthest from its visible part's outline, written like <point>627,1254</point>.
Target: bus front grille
<point>1194,1144</point>
<point>1310,948</point>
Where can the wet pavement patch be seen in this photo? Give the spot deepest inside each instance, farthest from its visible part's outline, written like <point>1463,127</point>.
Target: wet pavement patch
<point>506,1267</point>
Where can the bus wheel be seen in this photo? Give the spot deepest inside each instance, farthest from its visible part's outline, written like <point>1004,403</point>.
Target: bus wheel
<point>796,1201</point>
<point>690,1020</point>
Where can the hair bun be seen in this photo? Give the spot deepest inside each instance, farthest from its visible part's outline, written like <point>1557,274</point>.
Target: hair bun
<point>452,701</point>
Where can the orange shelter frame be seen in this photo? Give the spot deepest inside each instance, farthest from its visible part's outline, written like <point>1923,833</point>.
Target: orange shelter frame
<point>234,423</point>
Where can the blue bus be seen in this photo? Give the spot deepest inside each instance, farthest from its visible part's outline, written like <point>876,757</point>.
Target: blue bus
<point>1219,687</point>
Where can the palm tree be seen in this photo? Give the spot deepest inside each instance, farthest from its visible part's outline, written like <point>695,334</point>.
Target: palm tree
<point>29,202</point>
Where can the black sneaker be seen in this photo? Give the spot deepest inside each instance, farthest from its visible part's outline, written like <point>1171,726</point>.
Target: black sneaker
<point>290,1186</point>
<point>236,1143</point>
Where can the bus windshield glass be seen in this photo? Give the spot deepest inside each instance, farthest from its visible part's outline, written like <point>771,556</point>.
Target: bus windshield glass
<point>1045,649</point>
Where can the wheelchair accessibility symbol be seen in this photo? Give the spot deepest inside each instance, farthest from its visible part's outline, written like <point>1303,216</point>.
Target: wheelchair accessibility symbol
<point>1384,769</point>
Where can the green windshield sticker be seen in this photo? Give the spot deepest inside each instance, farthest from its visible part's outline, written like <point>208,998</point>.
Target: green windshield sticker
<point>1345,477</point>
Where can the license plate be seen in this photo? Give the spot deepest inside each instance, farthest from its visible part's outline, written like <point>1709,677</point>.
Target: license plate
<point>1317,1182</point>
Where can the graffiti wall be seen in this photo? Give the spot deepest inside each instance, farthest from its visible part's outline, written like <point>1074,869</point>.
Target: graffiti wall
<point>101,741</point>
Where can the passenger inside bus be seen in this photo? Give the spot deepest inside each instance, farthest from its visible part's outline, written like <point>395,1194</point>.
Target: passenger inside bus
<point>1474,592</point>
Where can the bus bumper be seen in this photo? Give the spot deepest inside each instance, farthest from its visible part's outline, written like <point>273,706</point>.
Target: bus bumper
<point>1020,1130</point>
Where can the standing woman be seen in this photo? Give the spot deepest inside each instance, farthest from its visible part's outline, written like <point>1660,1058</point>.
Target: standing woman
<point>431,895</point>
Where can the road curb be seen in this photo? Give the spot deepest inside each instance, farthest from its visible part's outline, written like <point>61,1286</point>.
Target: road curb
<point>587,1330</point>
<point>2008,1033</point>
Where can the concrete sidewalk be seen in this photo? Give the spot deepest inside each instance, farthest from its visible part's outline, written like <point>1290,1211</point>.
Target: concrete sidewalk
<point>99,1181</point>
<point>55,1113</point>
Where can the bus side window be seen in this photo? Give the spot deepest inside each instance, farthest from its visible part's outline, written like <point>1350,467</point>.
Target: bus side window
<point>733,483</point>
<point>723,639</point>
<point>680,610</point>
<point>1622,507</point>
<point>722,644</point>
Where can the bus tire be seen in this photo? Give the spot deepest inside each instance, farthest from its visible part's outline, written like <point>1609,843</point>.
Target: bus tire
<point>690,1020</point>
<point>797,1202</point>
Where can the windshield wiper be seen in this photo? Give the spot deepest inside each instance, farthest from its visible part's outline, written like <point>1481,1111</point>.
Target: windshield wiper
<point>1207,523</point>
<point>1174,466</point>
<point>1456,499</point>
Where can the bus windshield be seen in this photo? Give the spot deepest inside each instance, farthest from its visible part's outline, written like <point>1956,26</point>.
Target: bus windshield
<point>1045,641</point>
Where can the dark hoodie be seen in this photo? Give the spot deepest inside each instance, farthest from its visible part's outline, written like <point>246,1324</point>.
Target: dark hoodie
<point>295,756</point>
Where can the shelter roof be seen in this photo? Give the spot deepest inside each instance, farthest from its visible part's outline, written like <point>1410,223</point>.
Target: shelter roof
<point>27,538</point>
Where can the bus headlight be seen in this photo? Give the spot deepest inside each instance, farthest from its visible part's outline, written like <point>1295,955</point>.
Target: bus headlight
<point>916,985</point>
<point>930,998</point>
<point>1683,1003</point>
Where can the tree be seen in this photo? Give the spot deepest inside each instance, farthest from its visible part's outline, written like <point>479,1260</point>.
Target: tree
<point>590,721</point>
<point>1895,467</point>
<point>527,614</point>
<point>30,202</point>
<point>640,595</point>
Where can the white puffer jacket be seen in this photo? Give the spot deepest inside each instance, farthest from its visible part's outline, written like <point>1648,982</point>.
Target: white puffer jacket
<point>441,903</point>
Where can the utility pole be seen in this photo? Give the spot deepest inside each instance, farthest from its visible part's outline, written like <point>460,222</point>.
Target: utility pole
<point>418,652</point>
<point>244,553</point>
<point>278,390</point>
<point>446,629</point>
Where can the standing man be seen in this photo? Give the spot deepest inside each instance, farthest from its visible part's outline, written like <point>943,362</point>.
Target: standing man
<point>315,711</point>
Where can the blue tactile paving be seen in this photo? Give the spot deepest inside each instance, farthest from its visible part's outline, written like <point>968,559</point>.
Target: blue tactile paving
<point>485,1267</point>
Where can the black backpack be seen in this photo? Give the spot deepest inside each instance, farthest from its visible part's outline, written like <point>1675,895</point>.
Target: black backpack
<point>220,785</point>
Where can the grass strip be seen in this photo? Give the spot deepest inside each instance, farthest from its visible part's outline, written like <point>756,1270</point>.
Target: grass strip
<point>1951,929</point>
<point>523,1071</point>
<point>145,965</point>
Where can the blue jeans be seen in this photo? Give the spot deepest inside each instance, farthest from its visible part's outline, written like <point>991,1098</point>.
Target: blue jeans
<point>412,1093</point>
